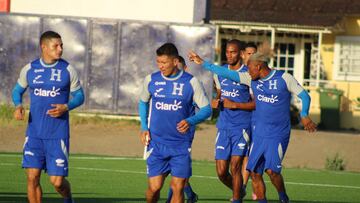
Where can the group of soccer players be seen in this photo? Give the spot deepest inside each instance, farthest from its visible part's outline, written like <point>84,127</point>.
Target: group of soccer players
<point>254,120</point>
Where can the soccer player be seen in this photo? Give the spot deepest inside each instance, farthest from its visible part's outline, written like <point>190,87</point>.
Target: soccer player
<point>250,49</point>
<point>182,64</point>
<point>51,81</point>
<point>190,194</point>
<point>168,120</point>
<point>272,90</point>
<point>233,136</point>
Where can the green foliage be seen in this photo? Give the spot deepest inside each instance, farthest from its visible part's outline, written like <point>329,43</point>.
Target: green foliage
<point>99,119</point>
<point>335,163</point>
<point>6,112</point>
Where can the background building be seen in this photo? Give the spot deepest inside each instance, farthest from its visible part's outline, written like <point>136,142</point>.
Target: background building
<point>316,41</point>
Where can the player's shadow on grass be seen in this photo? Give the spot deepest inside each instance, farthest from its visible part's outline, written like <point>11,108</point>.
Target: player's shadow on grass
<point>302,201</point>
<point>222,200</point>
<point>19,197</point>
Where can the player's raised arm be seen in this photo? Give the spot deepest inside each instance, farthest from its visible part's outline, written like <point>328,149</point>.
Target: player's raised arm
<point>230,74</point>
<point>239,105</point>
<point>295,88</point>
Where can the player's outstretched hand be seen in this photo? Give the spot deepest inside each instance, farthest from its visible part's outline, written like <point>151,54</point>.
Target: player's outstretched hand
<point>183,126</point>
<point>227,103</point>
<point>215,103</point>
<point>58,110</point>
<point>19,113</point>
<point>309,125</point>
<point>145,137</point>
<point>195,58</point>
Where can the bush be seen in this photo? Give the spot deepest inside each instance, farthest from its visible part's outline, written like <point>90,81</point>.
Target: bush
<point>6,112</point>
<point>335,163</point>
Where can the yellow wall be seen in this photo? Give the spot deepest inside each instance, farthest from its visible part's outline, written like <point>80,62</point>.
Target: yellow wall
<point>349,109</point>
<point>350,115</point>
<point>351,26</point>
<point>327,54</point>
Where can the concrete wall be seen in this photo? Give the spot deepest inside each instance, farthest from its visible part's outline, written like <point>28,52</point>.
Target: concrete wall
<point>181,11</point>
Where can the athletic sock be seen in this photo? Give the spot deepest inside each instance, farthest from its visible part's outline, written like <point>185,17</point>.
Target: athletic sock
<point>243,191</point>
<point>189,192</point>
<point>68,200</point>
<point>170,193</point>
<point>262,201</point>
<point>237,201</point>
<point>283,196</point>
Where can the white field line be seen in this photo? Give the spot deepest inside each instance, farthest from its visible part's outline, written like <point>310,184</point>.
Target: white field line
<point>196,176</point>
<point>97,158</point>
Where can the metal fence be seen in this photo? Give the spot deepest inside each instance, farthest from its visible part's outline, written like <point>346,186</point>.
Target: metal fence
<point>111,56</point>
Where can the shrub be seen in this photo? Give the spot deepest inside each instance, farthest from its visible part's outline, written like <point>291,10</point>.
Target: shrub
<point>335,163</point>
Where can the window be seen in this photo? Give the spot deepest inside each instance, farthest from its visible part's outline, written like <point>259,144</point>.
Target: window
<point>285,57</point>
<point>347,58</point>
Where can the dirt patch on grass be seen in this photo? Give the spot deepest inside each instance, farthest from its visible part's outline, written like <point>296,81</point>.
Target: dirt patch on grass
<point>121,138</point>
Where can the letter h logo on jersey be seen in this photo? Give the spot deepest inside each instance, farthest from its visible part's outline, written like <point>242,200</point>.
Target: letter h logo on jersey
<point>177,89</point>
<point>55,73</point>
<point>272,84</point>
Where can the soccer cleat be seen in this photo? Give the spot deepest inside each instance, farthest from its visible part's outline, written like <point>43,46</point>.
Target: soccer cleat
<point>284,201</point>
<point>193,199</point>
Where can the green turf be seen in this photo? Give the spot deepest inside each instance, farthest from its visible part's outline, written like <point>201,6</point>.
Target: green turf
<point>103,179</point>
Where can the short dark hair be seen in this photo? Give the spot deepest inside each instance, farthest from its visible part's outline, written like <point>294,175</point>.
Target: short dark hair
<point>251,45</point>
<point>182,60</point>
<point>168,49</point>
<point>49,35</point>
<point>238,43</point>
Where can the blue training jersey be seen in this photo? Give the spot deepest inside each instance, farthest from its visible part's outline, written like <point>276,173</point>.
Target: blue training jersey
<point>48,84</point>
<point>233,118</point>
<point>272,96</point>
<point>172,100</point>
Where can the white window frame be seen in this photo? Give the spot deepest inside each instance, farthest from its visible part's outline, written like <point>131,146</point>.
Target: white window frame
<point>345,76</point>
<point>278,55</point>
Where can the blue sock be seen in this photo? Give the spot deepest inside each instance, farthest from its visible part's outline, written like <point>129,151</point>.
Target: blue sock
<point>283,196</point>
<point>189,192</point>
<point>262,201</point>
<point>68,200</point>
<point>244,186</point>
<point>237,201</point>
<point>170,193</point>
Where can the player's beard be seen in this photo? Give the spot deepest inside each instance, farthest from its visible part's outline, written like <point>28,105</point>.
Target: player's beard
<point>233,62</point>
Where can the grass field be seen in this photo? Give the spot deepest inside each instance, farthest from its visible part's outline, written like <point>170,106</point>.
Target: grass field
<point>116,179</point>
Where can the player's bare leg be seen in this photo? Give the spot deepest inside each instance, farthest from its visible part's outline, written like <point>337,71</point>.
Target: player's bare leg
<point>177,185</point>
<point>34,191</point>
<point>154,186</point>
<point>222,169</point>
<point>61,185</point>
<point>245,174</point>
<point>278,181</point>
<point>259,185</point>
<point>235,168</point>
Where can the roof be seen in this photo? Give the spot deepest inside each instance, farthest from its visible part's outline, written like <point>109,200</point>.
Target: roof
<point>318,13</point>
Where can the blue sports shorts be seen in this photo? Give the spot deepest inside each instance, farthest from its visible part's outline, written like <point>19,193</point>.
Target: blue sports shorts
<point>52,155</point>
